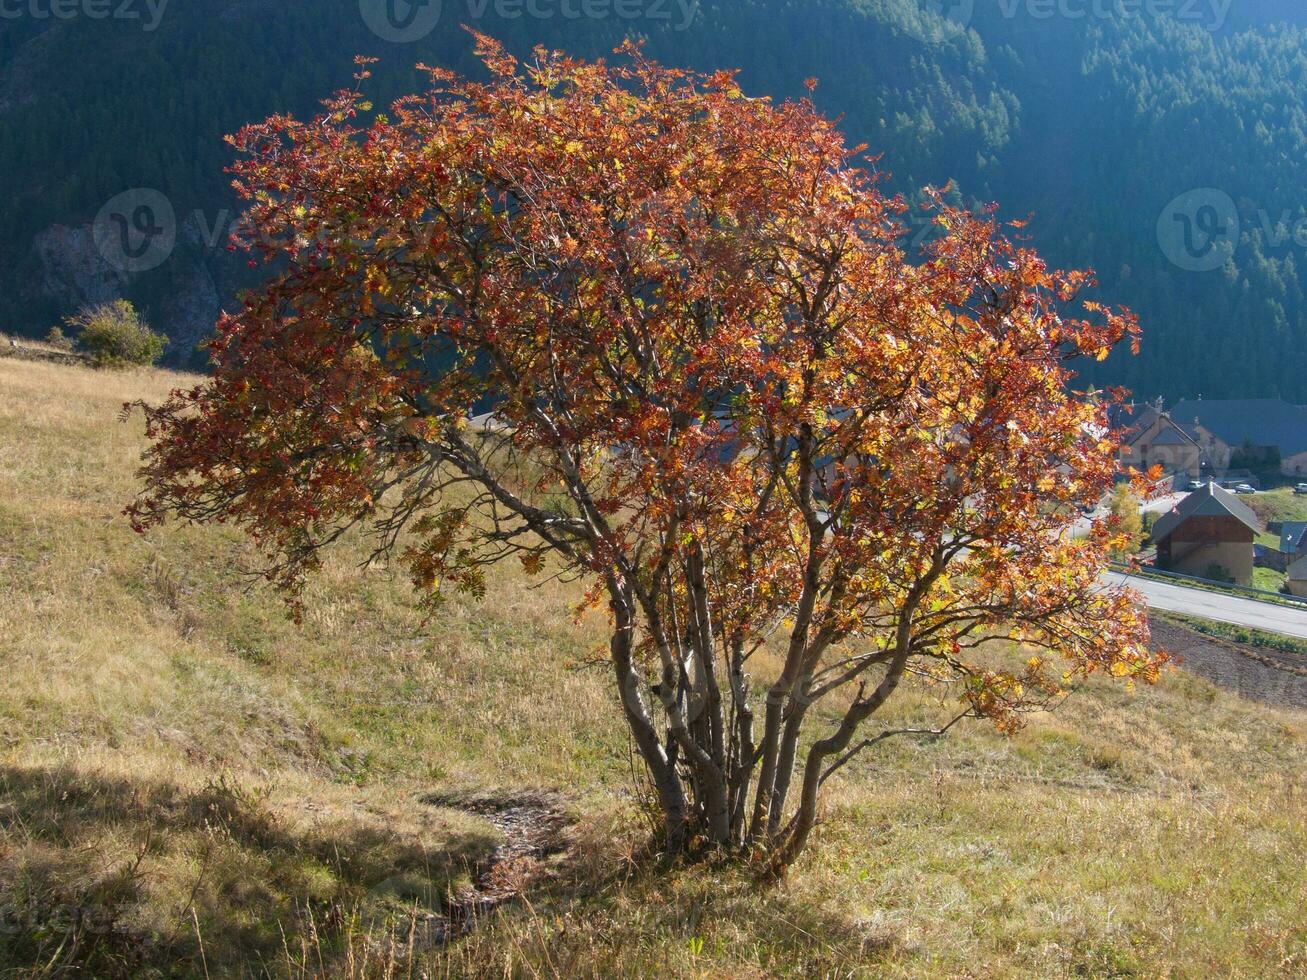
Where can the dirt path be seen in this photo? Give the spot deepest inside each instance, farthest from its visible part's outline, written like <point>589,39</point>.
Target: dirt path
<point>25,352</point>
<point>534,825</point>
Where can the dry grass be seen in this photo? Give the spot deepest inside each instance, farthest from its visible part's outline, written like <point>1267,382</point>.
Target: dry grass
<point>30,344</point>
<point>226,792</point>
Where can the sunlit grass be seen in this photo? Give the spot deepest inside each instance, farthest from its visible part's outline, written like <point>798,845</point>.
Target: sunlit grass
<point>246,795</point>
<point>1281,504</point>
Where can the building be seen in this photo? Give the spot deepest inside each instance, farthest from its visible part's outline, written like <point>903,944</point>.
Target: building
<point>1153,438</point>
<point>1293,538</point>
<point>1297,578</point>
<point>1249,432</point>
<point>1209,534</point>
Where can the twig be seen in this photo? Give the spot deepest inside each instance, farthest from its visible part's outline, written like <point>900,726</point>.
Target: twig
<point>200,939</point>
<point>868,742</point>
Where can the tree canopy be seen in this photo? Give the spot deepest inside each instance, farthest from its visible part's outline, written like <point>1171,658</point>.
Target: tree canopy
<point>626,324</point>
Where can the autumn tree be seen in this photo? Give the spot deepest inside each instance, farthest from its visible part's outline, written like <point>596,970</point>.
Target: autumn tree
<point>1125,507</point>
<point>624,324</point>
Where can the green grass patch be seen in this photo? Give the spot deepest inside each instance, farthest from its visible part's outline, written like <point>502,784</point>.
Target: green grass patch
<point>1268,579</point>
<point>1281,504</point>
<point>1269,540</point>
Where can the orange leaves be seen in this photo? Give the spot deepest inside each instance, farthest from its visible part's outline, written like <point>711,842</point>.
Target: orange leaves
<point>996,697</point>
<point>693,348</point>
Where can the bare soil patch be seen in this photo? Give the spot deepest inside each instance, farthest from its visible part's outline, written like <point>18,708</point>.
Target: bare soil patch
<point>1257,673</point>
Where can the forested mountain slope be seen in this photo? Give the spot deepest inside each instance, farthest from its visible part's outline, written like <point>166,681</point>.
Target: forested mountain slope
<point>1093,124</point>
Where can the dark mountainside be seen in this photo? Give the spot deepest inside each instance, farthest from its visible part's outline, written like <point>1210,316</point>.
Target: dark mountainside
<point>1091,121</point>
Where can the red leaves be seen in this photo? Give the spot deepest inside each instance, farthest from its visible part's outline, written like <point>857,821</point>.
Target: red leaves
<point>702,345</point>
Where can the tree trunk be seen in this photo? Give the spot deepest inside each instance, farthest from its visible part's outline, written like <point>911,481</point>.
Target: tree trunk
<point>671,795</point>
<point>805,817</point>
<point>771,727</point>
<point>785,766</point>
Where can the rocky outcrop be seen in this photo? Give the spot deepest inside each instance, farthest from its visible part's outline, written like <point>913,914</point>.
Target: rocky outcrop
<point>191,305</point>
<point>182,300</point>
<point>74,273</point>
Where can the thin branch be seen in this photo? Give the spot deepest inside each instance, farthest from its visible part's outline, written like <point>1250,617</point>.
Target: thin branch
<point>869,742</point>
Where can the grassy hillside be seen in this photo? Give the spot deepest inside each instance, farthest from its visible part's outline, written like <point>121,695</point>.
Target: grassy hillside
<point>190,784</point>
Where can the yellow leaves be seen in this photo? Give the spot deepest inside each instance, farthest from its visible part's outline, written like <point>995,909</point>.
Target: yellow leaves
<point>949,402</point>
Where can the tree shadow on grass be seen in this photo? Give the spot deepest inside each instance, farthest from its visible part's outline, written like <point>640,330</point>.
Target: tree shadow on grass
<point>116,877</point>
<point>119,877</point>
<point>613,907</point>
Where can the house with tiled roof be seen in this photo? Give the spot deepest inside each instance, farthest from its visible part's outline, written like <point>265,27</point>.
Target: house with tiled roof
<point>1209,534</point>
<point>1260,431</point>
<point>1151,437</point>
<point>1293,537</point>
<point>1293,552</point>
<point>1297,577</point>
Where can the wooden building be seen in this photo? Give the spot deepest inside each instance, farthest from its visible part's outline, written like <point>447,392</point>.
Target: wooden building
<point>1209,534</point>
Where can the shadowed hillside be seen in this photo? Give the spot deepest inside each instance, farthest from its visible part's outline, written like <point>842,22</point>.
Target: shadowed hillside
<point>1108,123</point>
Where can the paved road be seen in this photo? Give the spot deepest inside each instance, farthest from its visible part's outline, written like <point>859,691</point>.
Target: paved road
<point>1232,609</point>
<point>1166,502</point>
<point>1157,507</point>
